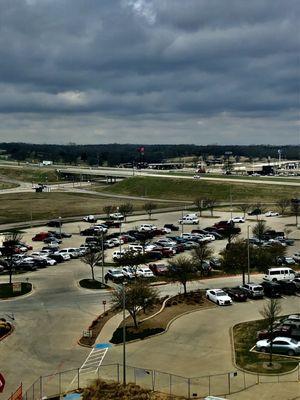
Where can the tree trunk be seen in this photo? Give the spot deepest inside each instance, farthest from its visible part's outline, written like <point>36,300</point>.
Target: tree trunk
<point>134,317</point>
<point>184,288</point>
<point>93,275</point>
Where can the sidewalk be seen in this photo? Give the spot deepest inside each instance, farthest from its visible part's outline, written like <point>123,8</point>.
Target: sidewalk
<point>109,328</point>
<point>269,391</point>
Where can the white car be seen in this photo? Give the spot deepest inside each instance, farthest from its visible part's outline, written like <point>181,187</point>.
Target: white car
<point>281,345</point>
<point>271,214</point>
<point>296,256</point>
<point>147,228</point>
<point>128,272</point>
<point>219,297</point>
<point>116,255</point>
<point>237,219</point>
<point>145,272</point>
<point>90,218</point>
<point>188,221</point>
<point>117,216</point>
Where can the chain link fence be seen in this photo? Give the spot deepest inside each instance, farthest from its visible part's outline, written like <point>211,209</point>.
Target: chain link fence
<point>158,381</point>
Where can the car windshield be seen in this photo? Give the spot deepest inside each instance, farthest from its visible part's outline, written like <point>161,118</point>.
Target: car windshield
<point>221,294</point>
<point>257,289</point>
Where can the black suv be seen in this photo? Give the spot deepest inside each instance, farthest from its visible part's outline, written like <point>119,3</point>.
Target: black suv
<point>271,289</point>
<point>287,287</point>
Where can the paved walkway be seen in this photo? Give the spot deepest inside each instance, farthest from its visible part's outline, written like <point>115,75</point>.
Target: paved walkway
<point>269,391</point>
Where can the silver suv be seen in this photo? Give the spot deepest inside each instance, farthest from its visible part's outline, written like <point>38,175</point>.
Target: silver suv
<point>253,290</point>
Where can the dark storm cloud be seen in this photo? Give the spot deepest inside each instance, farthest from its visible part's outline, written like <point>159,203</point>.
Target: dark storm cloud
<point>123,62</point>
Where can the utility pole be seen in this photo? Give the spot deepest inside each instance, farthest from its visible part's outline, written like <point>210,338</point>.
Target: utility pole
<point>124,336</point>
<point>248,253</point>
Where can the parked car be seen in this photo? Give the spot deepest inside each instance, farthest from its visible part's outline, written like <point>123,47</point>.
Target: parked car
<point>154,255</point>
<point>145,272</point>
<point>90,218</point>
<point>296,257</point>
<point>159,269</point>
<point>117,216</point>
<point>215,263</point>
<point>285,330</point>
<point>256,211</point>
<point>60,235</point>
<point>129,273</point>
<point>172,227</point>
<point>219,297</point>
<point>52,239</point>
<point>271,214</point>
<point>57,223</point>
<point>237,219</point>
<point>287,287</point>
<point>188,221</point>
<point>271,289</point>
<point>281,345</point>
<point>236,293</point>
<point>253,290</point>
<point>297,283</point>
<point>115,275</point>
<point>285,260</point>
<point>41,236</point>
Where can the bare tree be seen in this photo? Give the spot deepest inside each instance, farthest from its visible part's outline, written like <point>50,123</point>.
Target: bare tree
<point>138,296</point>
<point>295,208</point>
<point>244,208</point>
<point>149,207</point>
<point>271,311</point>
<point>182,269</point>
<point>210,204</point>
<point>199,202</point>
<point>282,205</point>
<point>201,253</point>
<point>109,209</point>
<point>92,259</point>
<point>126,209</point>
<point>10,241</point>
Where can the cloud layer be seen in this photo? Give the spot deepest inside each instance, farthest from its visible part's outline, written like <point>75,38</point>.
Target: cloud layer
<point>152,71</point>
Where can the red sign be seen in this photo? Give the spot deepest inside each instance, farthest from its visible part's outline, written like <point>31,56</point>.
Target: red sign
<point>141,150</point>
<point>2,383</point>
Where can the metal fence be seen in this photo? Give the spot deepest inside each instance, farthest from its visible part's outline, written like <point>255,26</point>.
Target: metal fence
<point>191,388</point>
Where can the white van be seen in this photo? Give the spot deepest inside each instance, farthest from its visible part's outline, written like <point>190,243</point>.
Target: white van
<point>279,274</point>
<point>189,221</point>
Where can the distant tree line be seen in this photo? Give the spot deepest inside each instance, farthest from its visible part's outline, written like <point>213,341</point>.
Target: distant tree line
<point>114,154</point>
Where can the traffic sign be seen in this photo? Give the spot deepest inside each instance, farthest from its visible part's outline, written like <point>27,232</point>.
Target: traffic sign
<point>2,383</point>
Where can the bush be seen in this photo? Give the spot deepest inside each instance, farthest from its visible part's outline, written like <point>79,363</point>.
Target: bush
<point>118,334</point>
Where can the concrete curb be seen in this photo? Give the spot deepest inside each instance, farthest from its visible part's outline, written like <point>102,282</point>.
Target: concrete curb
<point>9,333</point>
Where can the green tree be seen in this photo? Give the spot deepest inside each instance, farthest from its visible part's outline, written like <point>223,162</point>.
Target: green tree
<point>182,269</point>
<point>11,240</point>
<point>235,258</point>
<point>201,253</point>
<point>270,312</point>
<point>149,207</point>
<point>126,209</point>
<point>259,230</point>
<point>138,295</point>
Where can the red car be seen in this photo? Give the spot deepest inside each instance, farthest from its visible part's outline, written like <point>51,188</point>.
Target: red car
<point>159,269</point>
<point>39,237</point>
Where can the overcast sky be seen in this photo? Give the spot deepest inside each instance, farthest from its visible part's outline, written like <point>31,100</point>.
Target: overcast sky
<point>150,71</point>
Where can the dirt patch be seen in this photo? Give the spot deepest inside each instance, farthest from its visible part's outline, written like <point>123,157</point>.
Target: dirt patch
<point>106,391</point>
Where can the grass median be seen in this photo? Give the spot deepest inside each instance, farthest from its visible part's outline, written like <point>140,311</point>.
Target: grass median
<point>28,174</point>
<point>10,290</point>
<point>244,336</point>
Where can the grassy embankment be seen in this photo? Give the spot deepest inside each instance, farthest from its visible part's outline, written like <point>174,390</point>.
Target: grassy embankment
<point>179,189</point>
<point>7,185</point>
<point>16,207</point>
<point>28,174</point>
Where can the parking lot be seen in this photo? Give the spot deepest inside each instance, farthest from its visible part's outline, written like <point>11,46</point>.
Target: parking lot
<point>51,319</point>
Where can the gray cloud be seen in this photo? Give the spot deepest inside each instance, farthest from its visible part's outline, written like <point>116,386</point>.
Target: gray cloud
<point>149,71</point>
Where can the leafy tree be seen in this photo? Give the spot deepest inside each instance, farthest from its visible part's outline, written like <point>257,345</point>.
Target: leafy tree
<point>295,209</point>
<point>182,269</point>
<point>264,257</point>
<point>235,258</point>
<point>230,233</point>
<point>92,260</point>
<point>138,295</point>
<point>200,202</point>
<point>259,206</point>
<point>282,205</point>
<point>259,230</point>
<point>271,311</point>
<point>11,239</point>
<point>149,207</point>
<point>201,253</point>
<point>126,209</point>
<point>109,209</point>
<point>244,208</point>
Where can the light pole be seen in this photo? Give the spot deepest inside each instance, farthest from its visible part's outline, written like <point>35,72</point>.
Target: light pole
<point>124,335</point>
<point>59,218</point>
<point>248,253</point>
<point>120,238</point>
<point>230,203</point>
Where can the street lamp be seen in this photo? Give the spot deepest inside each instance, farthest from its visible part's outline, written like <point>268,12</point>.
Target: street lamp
<point>124,334</point>
<point>248,253</point>
<point>59,219</point>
